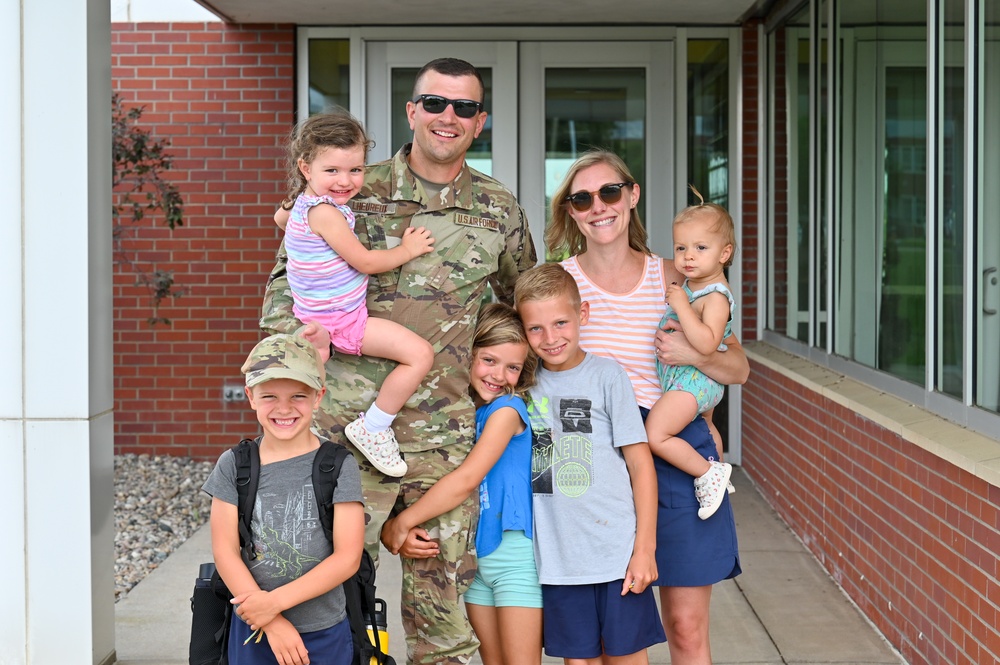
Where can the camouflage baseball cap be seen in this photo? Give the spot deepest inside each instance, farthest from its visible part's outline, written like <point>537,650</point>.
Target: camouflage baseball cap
<point>284,357</point>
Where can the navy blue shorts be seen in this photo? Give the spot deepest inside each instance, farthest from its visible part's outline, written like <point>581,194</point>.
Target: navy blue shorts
<point>330,646</point>
<point>588,620</point>
<point>690,551</point>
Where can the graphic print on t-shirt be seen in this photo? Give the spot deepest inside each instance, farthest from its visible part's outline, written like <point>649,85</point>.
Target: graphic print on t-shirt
<point>561,453</point>
<point>283,536</point>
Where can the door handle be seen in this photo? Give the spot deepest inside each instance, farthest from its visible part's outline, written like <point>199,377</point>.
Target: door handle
<point>987,281</point>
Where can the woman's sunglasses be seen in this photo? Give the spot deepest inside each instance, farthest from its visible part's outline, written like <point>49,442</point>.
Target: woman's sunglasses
<point>582,201</point>
<point>464,108</point>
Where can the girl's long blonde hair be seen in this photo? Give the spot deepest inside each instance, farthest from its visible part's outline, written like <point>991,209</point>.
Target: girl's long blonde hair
<point>499,324</point>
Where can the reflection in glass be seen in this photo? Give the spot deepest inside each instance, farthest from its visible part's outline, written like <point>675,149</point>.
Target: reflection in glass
<point>480,155</point>
<point>589,108</point>
<point>857,199</point>
<point>882,137</point>
<point>951,220</point>
<point>903,293</point>
<point>791,123</point>
<point>822,193</point>
<point>798,244</point>
<point>708,118</point>
<point>329,74</point>
<point>881,142</point>
<point>708,140</point>
<point>987,268</point>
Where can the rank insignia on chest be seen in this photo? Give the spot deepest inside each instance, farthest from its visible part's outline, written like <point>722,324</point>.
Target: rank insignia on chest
<point>479,222</point>
<point>370,207</point>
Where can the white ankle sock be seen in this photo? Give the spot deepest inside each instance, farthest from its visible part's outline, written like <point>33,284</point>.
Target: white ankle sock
<point>377,420</point>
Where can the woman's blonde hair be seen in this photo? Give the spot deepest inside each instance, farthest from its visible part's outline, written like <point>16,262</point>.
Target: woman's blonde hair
<point>499,324</point>
<point>563,232</point>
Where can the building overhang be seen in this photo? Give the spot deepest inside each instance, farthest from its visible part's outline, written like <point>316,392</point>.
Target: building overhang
<point>477,12</point>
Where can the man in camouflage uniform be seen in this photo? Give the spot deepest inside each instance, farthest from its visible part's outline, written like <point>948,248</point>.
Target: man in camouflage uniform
<point>481,237</point>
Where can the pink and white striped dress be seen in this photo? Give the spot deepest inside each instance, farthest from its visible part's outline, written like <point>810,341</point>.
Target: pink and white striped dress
<point>320,279</point>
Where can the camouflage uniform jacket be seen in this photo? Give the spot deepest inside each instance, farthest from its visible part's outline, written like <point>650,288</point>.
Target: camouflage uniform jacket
<point>481,237</point>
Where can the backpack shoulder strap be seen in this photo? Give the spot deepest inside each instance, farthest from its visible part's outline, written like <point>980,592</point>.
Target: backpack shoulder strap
<point>326,470</point>
<point>247,454</point>
<point>359,591</point>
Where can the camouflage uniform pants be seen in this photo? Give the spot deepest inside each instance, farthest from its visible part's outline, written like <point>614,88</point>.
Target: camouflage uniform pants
<point>434,621</point>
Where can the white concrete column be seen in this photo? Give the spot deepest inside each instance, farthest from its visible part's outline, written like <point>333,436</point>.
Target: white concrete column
<point>56,445</point>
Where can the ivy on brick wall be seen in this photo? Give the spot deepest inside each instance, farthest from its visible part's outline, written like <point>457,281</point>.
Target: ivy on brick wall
<point>141,190</point>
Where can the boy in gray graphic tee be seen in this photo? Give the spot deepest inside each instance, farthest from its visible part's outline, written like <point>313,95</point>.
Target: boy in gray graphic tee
<point>288,597</point>
<point>593,484</point>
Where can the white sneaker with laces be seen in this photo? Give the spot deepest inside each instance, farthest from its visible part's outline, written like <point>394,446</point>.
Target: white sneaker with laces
<point>711,488</point>
<point>381,448</point>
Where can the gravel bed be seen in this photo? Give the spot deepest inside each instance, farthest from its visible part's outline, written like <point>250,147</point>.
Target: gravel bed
<point>158,505</point>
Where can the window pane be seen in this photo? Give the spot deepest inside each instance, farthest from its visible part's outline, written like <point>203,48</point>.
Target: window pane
<point>593,108</point>
<point>708,118</point>
<point>987,309</point>
<point>950,222</point>
<point>903,293</point>
<point>790,110</point>
<point>480,155</point>
<point>821,229</point>
<point>708,140</point>
<point>856,268</point>
<point>881,287</point>
<point>329,74</point>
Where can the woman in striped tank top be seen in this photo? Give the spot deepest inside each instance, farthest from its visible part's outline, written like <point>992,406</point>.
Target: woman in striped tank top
<point>594,217</point>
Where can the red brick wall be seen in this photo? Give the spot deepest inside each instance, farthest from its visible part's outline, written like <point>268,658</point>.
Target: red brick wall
<point>224,96</point>
<point>752,187</point>
<point>912,539</point>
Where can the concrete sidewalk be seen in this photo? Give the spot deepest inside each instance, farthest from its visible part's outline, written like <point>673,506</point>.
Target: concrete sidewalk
<point>783,610</point>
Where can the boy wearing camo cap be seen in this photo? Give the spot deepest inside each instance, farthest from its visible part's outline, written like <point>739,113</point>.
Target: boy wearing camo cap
<point>290,604</point>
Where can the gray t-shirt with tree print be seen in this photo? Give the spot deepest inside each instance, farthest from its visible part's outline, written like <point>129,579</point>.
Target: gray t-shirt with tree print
<point>287,535</point>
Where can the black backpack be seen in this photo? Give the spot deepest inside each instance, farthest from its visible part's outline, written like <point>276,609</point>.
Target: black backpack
<point>363,608</point>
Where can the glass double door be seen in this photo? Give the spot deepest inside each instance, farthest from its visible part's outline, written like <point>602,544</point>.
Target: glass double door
<point>548,102</point>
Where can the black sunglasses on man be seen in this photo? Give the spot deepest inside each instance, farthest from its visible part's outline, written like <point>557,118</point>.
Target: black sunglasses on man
<point>464,108</point>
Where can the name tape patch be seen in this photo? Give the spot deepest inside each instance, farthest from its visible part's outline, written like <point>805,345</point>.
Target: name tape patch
<point>369,207</point>
<point>479,222</point>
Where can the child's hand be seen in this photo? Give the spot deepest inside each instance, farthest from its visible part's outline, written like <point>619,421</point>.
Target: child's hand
<point>286,643</point>
<point>393,534</point>
<point>677,297</point>
<point>417,241</point>
<point>319,337</point>
<point>281,216</point>
<point>418,545</point>
<point>673,347</point>
<point>641,572</point>
<point>256,608</point>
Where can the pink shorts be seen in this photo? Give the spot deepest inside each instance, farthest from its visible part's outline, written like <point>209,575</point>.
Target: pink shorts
<point>347,329</point>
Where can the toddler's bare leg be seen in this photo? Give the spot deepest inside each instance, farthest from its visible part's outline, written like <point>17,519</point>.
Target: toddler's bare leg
<point>387,339</point>
<point>672,413</point>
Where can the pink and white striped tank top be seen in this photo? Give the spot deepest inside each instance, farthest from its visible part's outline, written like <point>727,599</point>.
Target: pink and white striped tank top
<point>622,325</point>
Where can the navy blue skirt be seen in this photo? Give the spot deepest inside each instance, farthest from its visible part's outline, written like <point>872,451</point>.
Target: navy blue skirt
<point>690,551</point>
